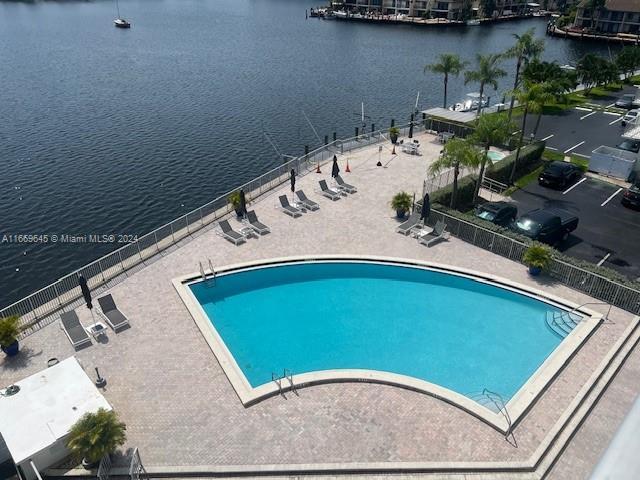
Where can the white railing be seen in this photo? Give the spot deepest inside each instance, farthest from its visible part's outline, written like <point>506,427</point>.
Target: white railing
<point>40,307</point>
<point>591,283</point>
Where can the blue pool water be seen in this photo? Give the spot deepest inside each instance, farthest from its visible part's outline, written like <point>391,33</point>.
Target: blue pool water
<point>453,331</point>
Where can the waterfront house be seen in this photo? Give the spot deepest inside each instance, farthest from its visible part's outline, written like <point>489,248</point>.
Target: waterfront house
<point>617,16</point>
<point>449,9</point>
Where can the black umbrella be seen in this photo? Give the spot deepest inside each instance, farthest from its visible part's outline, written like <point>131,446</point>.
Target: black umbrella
<point>86,293</point>
<point>411,130</point>
<point>243,203</point>
<point>426,207</point>
<point>335,170</point>
<point>293,180</point>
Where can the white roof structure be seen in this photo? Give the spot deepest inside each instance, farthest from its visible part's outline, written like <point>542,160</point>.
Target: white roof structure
<point>46,407</point>
<point>458,117</point>
<point>632,133</point>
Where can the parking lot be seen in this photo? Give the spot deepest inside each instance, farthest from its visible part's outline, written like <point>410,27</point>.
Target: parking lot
<point>607,232</point>
<point>580,130</point>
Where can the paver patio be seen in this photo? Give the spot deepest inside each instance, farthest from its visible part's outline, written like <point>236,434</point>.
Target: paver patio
<point>180,409</point>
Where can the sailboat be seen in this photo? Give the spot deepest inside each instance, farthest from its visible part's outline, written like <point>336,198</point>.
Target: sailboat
<point>120,22</point>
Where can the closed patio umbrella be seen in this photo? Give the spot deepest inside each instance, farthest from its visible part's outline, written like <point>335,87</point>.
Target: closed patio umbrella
<point>86,293</point>
<point>243,203</point>
<point>426,208</point>
<point>335,170</point>
<point>293,182</point>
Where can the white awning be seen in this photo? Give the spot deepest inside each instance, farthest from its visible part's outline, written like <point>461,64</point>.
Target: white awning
<point>457,117</point>
<point>46,407</point>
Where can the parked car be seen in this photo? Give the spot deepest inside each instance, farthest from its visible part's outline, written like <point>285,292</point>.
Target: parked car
<point>631,196</point>
<point>500,213</point>
<point>630,146</point>
<point>548,225</point>
<point>631,117</point>
<point>626,101</point>
<point>559,174</point>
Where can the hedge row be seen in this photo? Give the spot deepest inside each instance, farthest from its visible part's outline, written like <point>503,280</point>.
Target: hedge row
<point>605,272</point>
<point>530,159</point>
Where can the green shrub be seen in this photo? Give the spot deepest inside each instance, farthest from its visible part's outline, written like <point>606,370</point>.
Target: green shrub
<point>9,330</point>
<point>530,159</point>
<point>537,255</point>
<point>401,202</point>
<point>97,434</point>
<point>464,200</point>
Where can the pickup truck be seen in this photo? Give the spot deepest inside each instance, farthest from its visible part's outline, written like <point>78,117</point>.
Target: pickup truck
<point>548,225</point>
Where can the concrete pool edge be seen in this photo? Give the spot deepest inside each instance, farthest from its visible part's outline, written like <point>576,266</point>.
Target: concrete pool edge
<point>518,405</point>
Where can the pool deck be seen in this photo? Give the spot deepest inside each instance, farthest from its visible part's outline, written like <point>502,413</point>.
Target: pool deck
<point>183,414</point>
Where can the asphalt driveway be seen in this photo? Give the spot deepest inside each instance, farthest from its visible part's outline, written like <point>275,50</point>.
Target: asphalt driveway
<point>580,130</point>
<point>607,231</point>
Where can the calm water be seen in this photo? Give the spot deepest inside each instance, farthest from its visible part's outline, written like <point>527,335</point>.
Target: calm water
<point>453,331</point>
<point>105,131</point>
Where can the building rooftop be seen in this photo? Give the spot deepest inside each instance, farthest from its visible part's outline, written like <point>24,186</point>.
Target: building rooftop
<point>46,407</point>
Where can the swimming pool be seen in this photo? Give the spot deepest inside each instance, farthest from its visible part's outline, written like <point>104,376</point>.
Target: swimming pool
<point>494,155</point>
<point>422,327</point>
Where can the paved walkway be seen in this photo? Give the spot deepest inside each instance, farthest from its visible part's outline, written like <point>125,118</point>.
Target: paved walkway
<point>181,410</point>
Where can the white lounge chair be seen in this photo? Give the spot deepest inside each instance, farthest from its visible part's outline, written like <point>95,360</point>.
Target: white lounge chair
<point>110,313</point>
<point>439,233</point>
<point>73,329</point>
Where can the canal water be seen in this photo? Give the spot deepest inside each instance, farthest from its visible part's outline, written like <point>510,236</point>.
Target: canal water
<point>106,131</point>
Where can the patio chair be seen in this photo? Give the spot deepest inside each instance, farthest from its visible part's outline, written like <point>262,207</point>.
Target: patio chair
<point>230,234</point>
<point>288,208</point>
<point>328,192</point>
<point>412,222</point>
<point>345,186</point>
<point>110,313</point>
<point>304,200</point>
<point>439,233</point>
<point>256,224</point>
<point>73,329</point>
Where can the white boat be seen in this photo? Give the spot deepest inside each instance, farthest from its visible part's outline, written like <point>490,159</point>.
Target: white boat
<point>120,22</point>
<point>340,14</point>
<point>470,103</point>
<point>472,22</point>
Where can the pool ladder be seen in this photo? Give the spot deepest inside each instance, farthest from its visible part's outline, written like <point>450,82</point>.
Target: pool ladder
<point>286,375</point>
<point>211,281</point>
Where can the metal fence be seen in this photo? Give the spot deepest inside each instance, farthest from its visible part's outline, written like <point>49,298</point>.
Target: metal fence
<point>40,306</point>
<point>591,283</point>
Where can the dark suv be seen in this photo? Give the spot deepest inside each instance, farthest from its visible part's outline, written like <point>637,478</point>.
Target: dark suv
<point>559,174</point>
<point>631,197</point>
<point>500,213</point>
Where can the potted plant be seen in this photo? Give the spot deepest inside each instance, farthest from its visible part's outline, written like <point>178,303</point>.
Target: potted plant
<point>537,257</point>
<point>234,200</point>
<point>401,203</point>
<point>9,331</point>
<point>393,134</point>
<point>95,435</point>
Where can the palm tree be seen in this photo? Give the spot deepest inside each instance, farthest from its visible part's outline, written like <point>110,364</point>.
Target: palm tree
<point>533,98</point>
<point>487,73</point>
<point>458,153</point>
<point>96,435</point>
<point>526,48</point>
<point>490,130</point>
<point>448,64</point>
